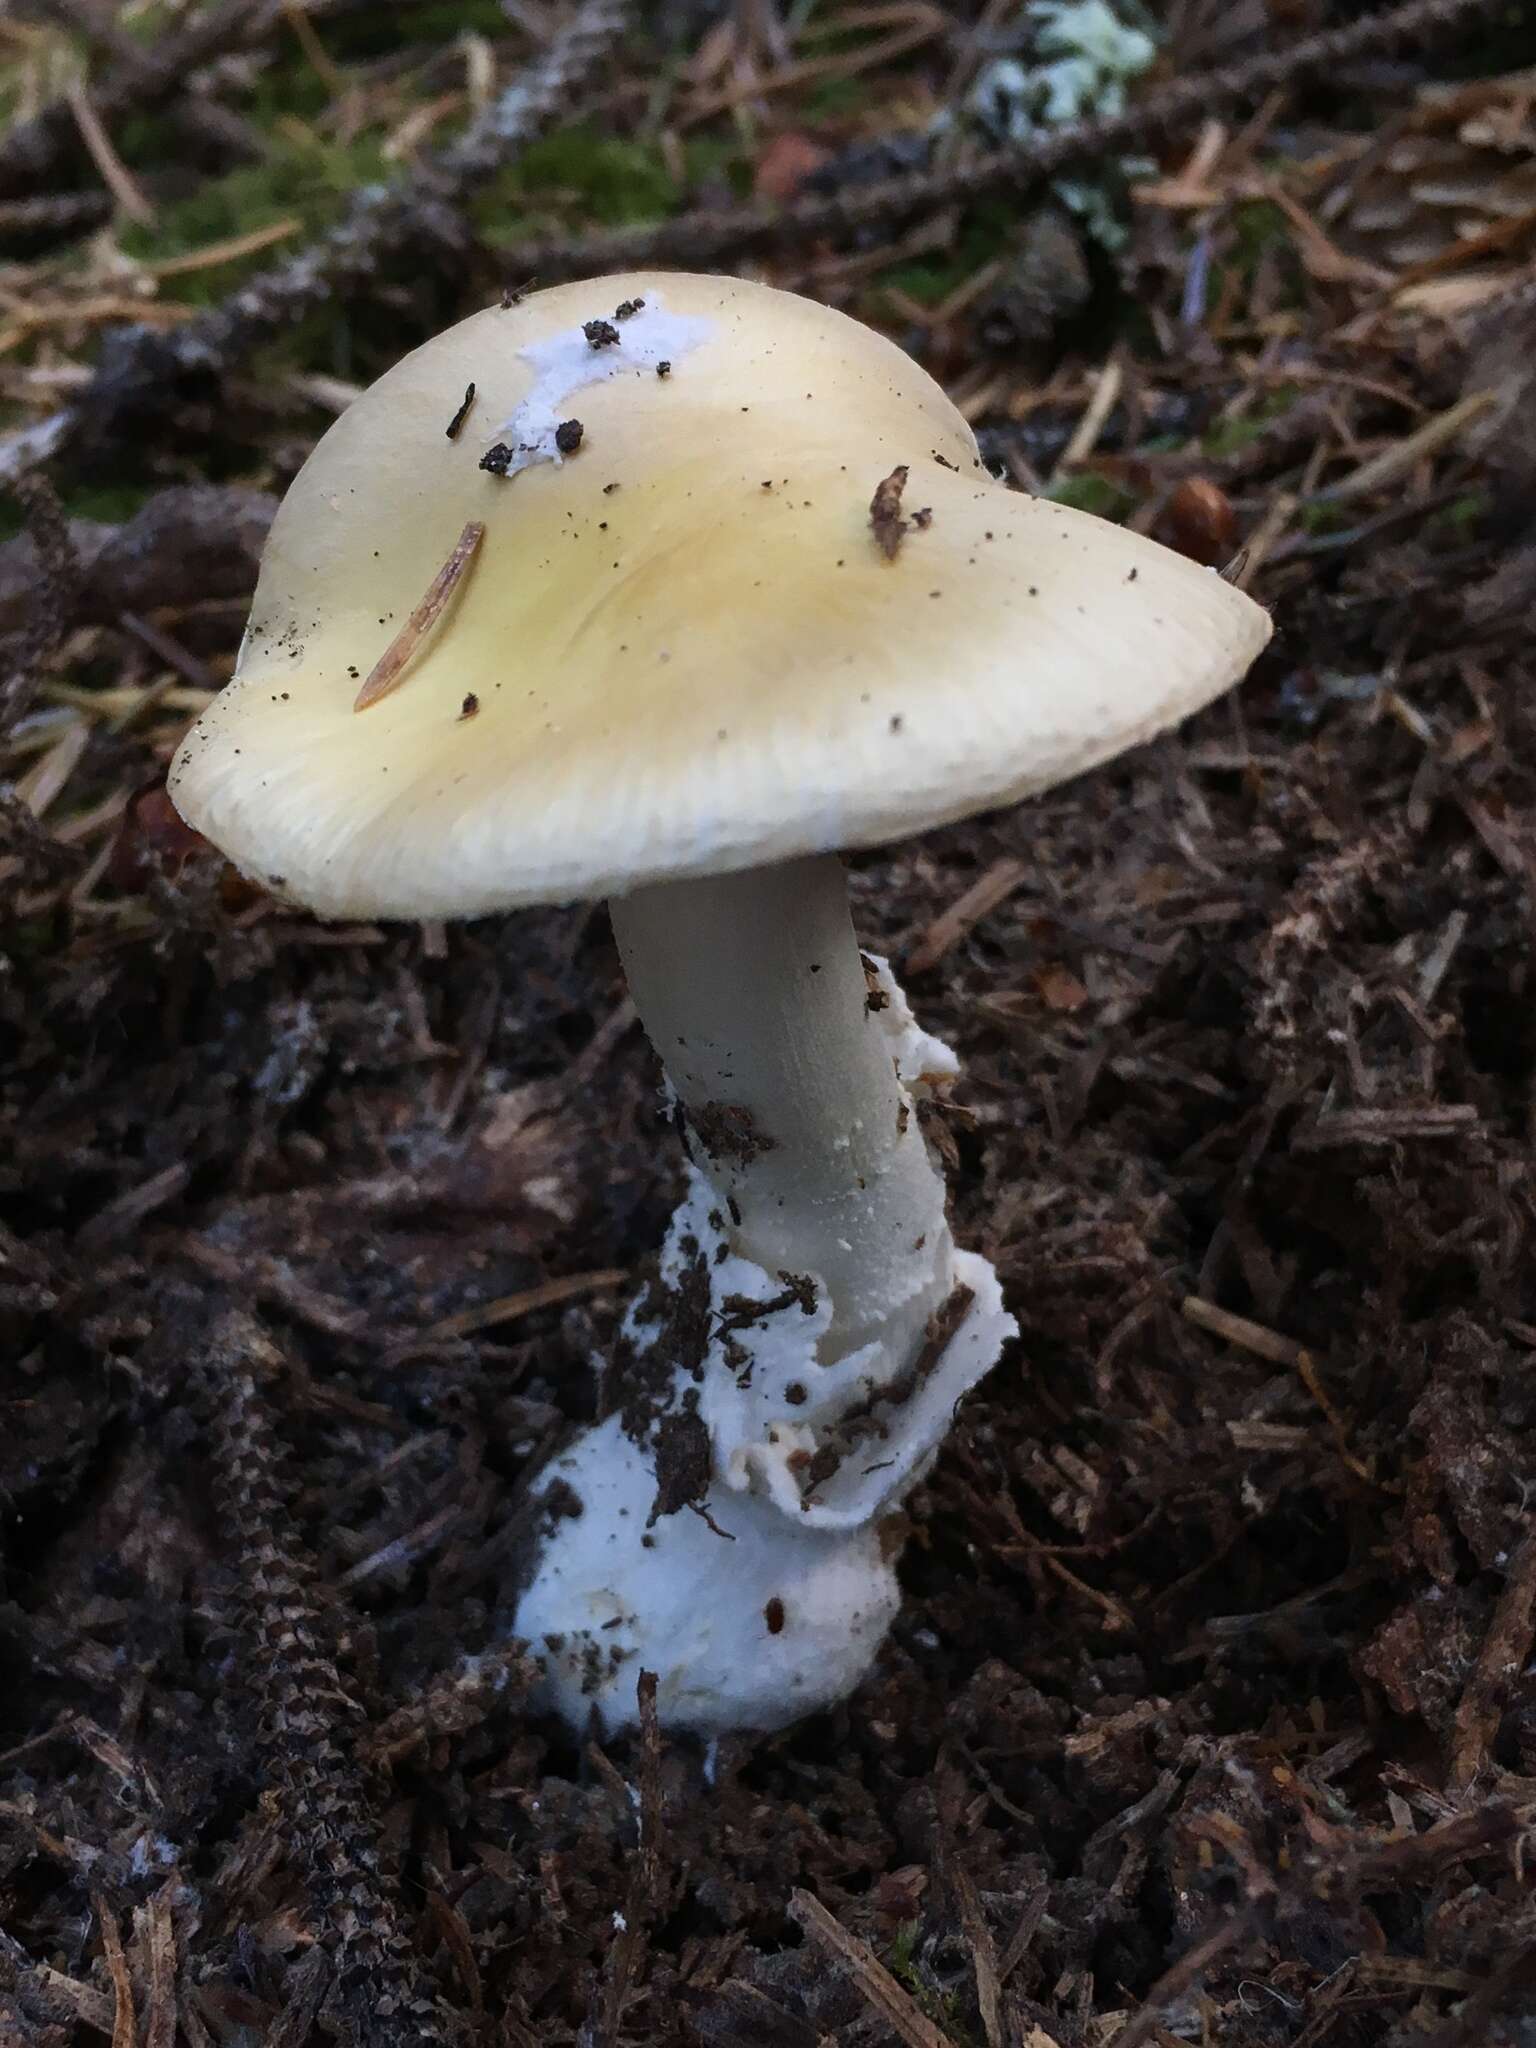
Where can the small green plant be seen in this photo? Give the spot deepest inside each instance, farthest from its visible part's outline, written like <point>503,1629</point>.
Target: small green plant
<point>942,2007</point>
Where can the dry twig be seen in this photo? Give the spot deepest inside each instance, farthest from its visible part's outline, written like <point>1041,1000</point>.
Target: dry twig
<point>1505,1653</point>
<point>896,2007</point>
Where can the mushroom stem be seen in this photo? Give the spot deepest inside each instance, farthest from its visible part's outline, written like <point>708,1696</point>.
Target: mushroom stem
<point>796,1064</point>
<point>787,1376</point>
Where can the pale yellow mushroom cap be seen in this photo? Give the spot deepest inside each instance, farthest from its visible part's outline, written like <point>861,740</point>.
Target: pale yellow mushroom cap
<point>681,650</point>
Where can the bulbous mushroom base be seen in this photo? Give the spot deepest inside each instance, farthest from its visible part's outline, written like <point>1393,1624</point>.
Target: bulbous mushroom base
<point>730,1528</point>
<point>746,1620</point>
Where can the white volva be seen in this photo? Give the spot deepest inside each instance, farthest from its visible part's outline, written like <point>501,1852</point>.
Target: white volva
<point>747,1621</point>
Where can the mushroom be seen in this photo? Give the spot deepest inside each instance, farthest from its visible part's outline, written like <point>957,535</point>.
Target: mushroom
<point>721,579</point>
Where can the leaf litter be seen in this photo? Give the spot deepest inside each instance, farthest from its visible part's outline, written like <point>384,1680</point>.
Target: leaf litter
<point>1210,1707</point>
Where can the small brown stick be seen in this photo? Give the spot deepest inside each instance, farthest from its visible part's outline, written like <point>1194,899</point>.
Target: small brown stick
<point>124,2030</point>
<point>940,1330</point>
<point>989,1988</point>
<point>1435,433</point>
<point>391,664</point>
<point>506,1308</point>
<point>1247,1336</point>
<point>1503,1656</point>
<point>1386,1125</point>
<point>159,1932</point>
<point>1183,1974</point>
<point>52,587</point>
<point>115,174</point>
<point>644,1895</point>
<point>170,651</point>
<point>1268,1344</point>
<point>896,2007</point>
<point>979,901</point>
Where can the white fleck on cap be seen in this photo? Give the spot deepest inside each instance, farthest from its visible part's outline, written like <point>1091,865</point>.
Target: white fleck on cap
<point>679,648</point>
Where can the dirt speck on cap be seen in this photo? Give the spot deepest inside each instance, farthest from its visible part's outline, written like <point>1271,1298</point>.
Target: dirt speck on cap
<point>885,515</point>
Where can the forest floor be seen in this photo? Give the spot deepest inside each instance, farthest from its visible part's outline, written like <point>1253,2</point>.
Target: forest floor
<point>1211,1713</point>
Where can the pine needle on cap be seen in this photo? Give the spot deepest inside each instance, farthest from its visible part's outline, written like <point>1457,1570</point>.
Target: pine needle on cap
<point>390,666</point>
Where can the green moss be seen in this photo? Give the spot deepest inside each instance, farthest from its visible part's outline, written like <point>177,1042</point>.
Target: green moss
<point>927,279</point>
<point>1459,521</point>
<point>930,279</point>
<point>1321,516</point>
<point>1086,492</point>
<point>1258,230</point>
<point>110,503</point>
<point>309,179</point>
<point>365,32</point>
<point>149,24</point>
<point>834,99</point>
<point>1258,225</point>
<point>1227,436</point>
<point>32,938</point>
<point>984,236</point>
<point>608,181</point>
